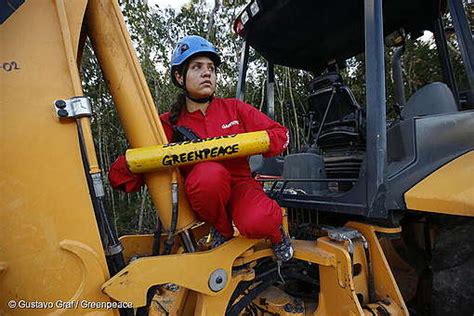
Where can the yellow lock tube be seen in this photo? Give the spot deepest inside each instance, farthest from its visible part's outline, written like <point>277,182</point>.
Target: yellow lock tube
<point>148,159</point>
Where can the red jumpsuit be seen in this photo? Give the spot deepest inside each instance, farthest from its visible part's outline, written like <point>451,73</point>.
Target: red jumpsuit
<point>224,191</point>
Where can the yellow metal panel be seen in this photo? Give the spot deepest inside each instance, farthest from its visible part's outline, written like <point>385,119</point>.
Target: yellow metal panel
<point>384,283</point>
<point>154,158</point>
<point>216,305</point>
<point>136,245</point>
<point>337,295</point>
<point>50,248</point>
<point>448,190</point>
<point>191,270</point>
<point>74,22</point>
<point>340,286</point>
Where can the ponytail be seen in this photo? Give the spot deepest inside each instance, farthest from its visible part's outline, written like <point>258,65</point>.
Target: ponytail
<point>177,107</point>
<point>180,103</point>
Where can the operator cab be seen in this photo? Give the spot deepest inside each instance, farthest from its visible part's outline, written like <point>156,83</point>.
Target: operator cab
<point>352,163</point>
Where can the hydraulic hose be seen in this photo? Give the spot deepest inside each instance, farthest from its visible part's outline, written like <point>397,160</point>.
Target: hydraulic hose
<point>169,242</point>
<point>249,297</point>
<point>113,248</point>
<point>157,238</point>
<point>144,310</point>
<point>110,243</point>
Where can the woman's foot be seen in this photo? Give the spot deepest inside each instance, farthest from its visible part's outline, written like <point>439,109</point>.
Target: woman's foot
<point>283,250</point>
<point>217,238</point>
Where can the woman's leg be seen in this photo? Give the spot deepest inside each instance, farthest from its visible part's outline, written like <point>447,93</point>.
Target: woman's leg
<point>254,213</point>
<point>208,191</point>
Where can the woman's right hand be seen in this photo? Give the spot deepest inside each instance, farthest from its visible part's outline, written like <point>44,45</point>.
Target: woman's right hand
<point>121,178</point>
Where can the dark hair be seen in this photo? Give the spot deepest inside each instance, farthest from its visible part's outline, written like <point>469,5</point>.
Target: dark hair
<point>180,103</point>
<point>177,107</point>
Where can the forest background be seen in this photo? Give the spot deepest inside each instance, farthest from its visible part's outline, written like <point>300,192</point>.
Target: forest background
<point>155,31</point>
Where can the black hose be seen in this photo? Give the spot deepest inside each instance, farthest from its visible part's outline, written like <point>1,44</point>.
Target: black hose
<point>168,245</point>
<point>110,242</point>
<point>248,298</point>
<point>169,242</point>
<point>157,238</point>
<point>269,274</point>
<point>109,238</point>
<point>143,311</point>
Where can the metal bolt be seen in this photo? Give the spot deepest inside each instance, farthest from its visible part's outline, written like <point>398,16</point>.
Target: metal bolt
<point>172,287</point>
<point>217,280</point>
<point>60,104</point>
<point>63,113</point>
<point>289,308</point>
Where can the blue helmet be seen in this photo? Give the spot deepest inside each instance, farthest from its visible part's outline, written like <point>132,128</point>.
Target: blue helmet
<point>188,47</point>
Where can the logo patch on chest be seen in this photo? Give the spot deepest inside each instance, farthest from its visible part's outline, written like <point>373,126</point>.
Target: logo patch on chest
<point>230,124</point>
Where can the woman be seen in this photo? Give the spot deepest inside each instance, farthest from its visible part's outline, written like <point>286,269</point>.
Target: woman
<point>220,192</point>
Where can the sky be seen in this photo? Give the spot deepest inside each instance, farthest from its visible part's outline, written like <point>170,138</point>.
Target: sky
<point>176,4</point>
<point>165,3</point>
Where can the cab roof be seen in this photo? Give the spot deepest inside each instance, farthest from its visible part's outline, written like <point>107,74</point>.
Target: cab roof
<point>307,34</point>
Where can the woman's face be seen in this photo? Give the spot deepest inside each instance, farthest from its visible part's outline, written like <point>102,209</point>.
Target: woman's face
<point>200,77</point>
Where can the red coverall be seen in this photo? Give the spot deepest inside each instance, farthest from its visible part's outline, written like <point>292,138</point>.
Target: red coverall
<point>220,192</point>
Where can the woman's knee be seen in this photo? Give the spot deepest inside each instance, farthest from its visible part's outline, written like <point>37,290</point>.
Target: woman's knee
<point>259,223</point>
<point>207,177</point>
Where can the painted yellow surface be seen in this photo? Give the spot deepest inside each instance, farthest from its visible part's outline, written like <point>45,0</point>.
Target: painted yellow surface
<point>165,156</point>
<point>191,270</point>
<point>383,282</point>
<point>50,249</point>
<point>339,287</point>
<point>448,190</point>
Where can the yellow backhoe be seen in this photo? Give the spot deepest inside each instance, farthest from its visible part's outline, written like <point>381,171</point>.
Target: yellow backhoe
<point>58,251</point>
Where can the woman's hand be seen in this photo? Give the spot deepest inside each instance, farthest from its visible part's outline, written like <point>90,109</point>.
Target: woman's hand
<point>121,178</point>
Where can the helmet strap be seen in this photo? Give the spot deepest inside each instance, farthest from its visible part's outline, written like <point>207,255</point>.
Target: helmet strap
<point>201,100</point>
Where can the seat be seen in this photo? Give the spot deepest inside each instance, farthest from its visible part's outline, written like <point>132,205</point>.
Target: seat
<point>271,166</point>
<point>434,98</point>
<point>343,120</point>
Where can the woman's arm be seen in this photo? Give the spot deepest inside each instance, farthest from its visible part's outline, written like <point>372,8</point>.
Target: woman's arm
<point>253,120</point>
